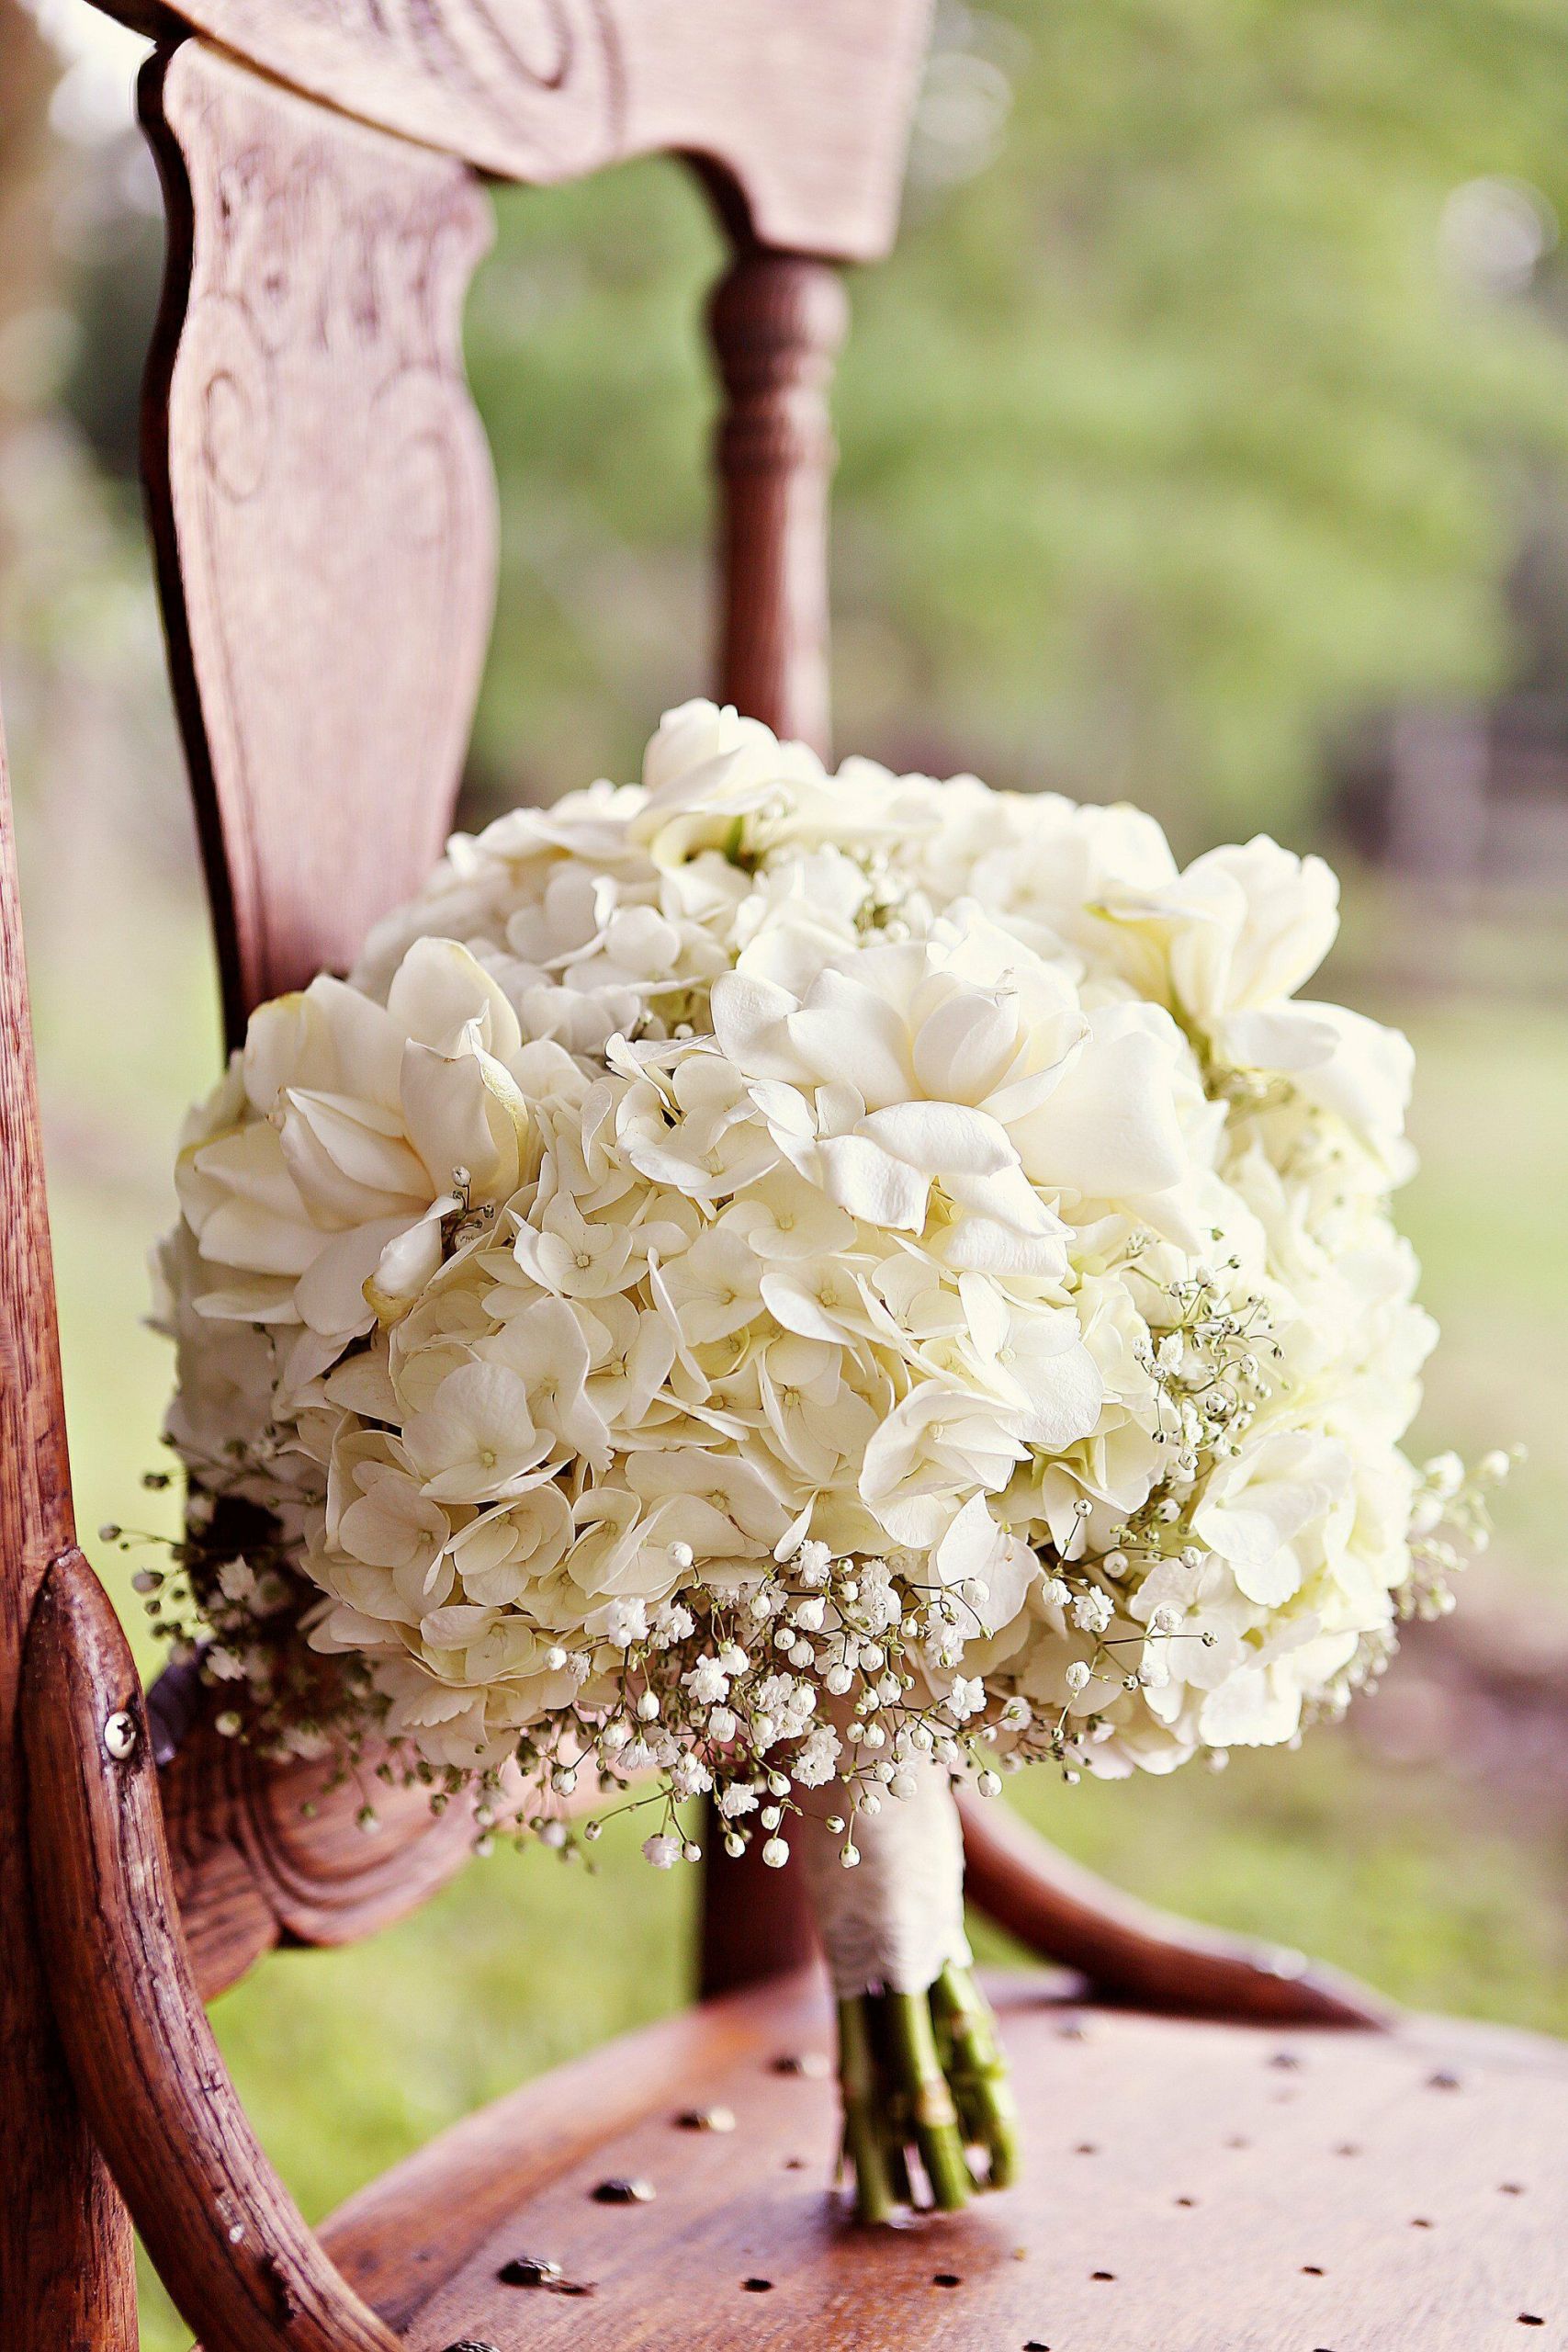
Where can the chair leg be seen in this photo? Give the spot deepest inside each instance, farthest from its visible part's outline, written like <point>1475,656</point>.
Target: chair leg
<point>755,1922</point>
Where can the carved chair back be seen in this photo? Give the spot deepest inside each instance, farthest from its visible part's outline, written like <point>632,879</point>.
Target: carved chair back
<point>324,522</point>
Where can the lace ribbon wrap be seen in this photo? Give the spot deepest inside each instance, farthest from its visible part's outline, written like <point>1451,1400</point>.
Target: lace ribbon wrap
<point>896,1921</point>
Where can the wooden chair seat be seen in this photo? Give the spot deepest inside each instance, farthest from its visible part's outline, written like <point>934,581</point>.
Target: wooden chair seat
<point>1193,2187</point>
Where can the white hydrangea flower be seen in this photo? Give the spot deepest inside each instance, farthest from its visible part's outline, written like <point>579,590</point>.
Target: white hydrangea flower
<point>729,1190</point>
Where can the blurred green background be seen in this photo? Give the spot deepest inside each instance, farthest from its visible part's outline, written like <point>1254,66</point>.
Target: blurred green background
<point>1206,443</point>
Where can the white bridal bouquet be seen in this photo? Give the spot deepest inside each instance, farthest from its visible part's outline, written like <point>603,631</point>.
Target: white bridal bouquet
<point>788,1288</point>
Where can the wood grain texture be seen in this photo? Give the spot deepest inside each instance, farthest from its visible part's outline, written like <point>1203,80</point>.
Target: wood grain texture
<point>804,104</point>
<point>776,325</point>
<point>1191,2188</point>
<point>264,1854</point>
<point>1129,1951</point>
<point>223,2230</point>
<point>66,2280</point>
<point>400,2239</point>
<point>322,507</point>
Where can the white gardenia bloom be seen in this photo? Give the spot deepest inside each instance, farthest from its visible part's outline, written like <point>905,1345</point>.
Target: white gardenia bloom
<point>714,1194</point>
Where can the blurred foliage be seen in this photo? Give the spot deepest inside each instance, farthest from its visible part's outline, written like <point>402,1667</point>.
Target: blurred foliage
<point>1203,410</point>
<point>1180,429</point>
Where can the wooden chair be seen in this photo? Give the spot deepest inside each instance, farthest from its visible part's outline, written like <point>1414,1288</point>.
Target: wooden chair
<point>323,514</point>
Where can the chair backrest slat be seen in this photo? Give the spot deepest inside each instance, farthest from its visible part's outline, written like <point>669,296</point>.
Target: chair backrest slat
<point>803,104</point>
<point>322,507</point>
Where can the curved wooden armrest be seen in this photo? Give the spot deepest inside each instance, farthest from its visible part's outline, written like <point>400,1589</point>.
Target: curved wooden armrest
<point>1132,1953</point>
<point>265,1854</point>
<point>223,2230</point>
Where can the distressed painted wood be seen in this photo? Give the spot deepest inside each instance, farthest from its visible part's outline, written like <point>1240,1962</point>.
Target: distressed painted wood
<point>802,104</point>
<point>66,2281</point>
<point>226,2237</point>
<point>1190,2187</point>
<point>322,507</point>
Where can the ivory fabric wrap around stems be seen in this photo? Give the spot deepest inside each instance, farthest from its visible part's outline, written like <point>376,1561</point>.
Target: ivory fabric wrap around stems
<point>896,1921</point>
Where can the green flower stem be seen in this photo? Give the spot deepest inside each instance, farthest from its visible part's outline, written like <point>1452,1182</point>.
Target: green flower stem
<point>864,2113</point>
<point>933,2118</point>
<point>977,2071</point>
<point>924,2071</point>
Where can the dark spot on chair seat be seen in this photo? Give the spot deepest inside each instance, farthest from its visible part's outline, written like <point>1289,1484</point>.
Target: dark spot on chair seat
<point>1103,2273</point>
<point>625,2192</point>
<point>946,2279</point>
<point>758,2286</point>
<point>1529,2319</point>
<point>1312,2269</point>
<point>528,2270</point>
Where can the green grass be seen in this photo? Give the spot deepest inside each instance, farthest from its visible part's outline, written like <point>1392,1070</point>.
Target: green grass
<point>1428,1888</point>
